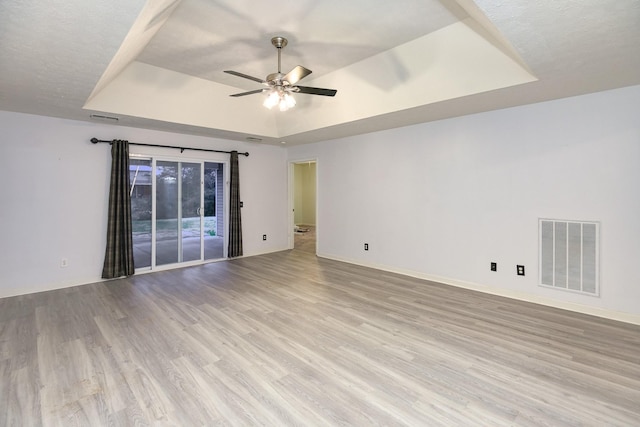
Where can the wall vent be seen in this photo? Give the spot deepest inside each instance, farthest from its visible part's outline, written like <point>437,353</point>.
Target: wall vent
<point>569,255</point>
<point>101,117</point>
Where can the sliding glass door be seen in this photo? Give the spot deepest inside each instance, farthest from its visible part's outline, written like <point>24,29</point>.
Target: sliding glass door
<point>191,194</point>
<point>141,180</point>
<point>177,211</point>
<point>166,223</point>
<point>214,224</point>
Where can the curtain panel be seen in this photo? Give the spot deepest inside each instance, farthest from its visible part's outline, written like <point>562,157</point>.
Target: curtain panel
<point>235,220</point>
<point>118,259</point>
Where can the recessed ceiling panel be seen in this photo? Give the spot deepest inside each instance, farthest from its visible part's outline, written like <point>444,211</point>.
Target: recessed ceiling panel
<point>202,37</point>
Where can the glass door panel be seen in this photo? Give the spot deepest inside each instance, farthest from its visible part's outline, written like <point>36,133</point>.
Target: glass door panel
<point>141,192</point>
<point>213,210</point>
<point>167,225</point>
<point>191,202</point>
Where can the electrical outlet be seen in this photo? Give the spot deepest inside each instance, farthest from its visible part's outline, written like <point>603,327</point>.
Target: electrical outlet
<point>264,237</point>
<point>494,266</point>
<point>64,263</point>
<point>520,270</point>
<point>366,246</point>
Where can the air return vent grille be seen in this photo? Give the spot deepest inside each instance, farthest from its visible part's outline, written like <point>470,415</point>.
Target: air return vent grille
<point>569,255</point>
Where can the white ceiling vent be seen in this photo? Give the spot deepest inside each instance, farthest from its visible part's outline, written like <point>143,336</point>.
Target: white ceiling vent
<point>569,255</point>
<point>104,118</point>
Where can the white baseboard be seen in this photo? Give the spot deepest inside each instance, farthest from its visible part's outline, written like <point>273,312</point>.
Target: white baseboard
<point>521,296</point>
<point>14,292</point>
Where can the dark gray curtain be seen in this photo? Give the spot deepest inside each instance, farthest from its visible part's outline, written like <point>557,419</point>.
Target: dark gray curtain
<point>235,221</point>
<point>118,258</point>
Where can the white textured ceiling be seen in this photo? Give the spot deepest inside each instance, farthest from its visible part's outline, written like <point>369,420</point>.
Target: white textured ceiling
<point>159,64</point>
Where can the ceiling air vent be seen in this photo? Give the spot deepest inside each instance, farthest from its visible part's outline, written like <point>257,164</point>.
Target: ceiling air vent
<point>254,139</point>
<point>103,118</point>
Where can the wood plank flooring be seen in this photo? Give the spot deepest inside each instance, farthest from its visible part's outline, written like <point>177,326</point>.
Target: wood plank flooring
<point>289,339</point>
<point>306,241</point>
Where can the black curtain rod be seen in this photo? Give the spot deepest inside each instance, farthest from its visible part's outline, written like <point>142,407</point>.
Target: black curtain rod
<point>96,140</point>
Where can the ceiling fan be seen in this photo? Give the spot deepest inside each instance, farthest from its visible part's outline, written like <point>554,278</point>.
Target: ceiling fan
<point>280,87</point>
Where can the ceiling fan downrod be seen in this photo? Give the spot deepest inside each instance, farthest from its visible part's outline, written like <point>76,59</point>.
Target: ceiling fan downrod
<point>279,43</point>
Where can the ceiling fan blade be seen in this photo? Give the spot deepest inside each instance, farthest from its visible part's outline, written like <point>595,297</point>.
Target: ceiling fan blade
<point>297,74</point>
<point>245,76</point>
<point>316,91</point>
<point>251,92</point>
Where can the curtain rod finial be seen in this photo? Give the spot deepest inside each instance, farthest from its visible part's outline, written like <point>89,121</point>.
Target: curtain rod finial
<point>94,140</point>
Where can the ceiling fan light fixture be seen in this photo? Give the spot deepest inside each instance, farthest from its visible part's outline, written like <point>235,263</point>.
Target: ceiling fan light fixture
<point>282,99</point>
<point>272,99</point>
<point>287,101</point>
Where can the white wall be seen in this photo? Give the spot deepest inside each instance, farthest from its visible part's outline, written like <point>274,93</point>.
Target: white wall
<point>54,192</point>
<point>442,200</point>
<point>439,200</point>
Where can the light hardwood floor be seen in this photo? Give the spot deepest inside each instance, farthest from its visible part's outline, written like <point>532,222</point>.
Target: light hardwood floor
<point>290,339</point>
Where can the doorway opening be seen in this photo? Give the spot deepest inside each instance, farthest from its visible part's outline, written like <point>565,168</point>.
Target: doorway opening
<point>304,177</point>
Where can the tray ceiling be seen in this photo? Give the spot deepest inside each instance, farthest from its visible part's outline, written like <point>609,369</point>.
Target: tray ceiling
<point>159,64</point>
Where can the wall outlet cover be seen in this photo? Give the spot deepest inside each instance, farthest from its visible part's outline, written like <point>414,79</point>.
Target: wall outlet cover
<point>520,270</point>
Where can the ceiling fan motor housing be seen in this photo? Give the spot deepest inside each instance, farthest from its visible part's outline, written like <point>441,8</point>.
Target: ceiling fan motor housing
<point>276,78</point>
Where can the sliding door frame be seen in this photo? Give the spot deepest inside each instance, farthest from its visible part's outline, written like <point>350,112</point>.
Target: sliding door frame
<point>208,158</point>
